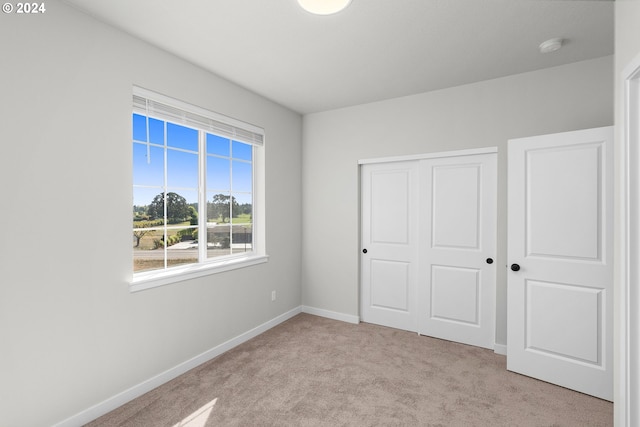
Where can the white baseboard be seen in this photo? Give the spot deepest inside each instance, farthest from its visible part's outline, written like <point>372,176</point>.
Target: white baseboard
<point>500,349</point>
<point>349,318</point>
<point>120,399</point>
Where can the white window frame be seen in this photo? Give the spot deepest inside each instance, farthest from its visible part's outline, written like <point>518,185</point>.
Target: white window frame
<point>171,110</point>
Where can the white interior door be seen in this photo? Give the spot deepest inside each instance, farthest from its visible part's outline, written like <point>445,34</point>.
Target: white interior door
<point>389,244</point>
<point>560,208</point>
<point>456,295</point>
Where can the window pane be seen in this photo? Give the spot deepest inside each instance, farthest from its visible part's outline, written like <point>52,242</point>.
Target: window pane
<point>242,178</point>
<point>156,131</point>
<point>241,150</point>
<point>186,237</point>
<point>148,251</point>
<point>182,207</point>
<point>182,169</point>
<point>144,238</point>
<point>218,174</point>
<point>242,209</point>
<point>178,207</point>
<point>146,207</point>
<point>242,230</point>
<point>182,245</point>
<point>193,208</point>
<point>242,238</point>
<point>156,207</point>
<point>218,145</point>
<point>181,257</point>
<point>148,171</point>
<point>182,137</point>
<point>218,207</point>
<point>139,128</point>
<point>218,240</point>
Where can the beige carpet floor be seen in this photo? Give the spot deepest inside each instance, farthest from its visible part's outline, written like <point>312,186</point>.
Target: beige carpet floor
<point>312,371</point>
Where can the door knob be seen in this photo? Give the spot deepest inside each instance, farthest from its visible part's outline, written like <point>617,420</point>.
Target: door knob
<point>515,267</point>
<point>489,260</point>
<point>364,251</point>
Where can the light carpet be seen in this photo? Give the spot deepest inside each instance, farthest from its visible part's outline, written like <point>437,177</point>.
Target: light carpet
<point>312,371</point>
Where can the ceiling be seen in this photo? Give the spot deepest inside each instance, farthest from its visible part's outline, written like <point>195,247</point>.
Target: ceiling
<point>373,50</point>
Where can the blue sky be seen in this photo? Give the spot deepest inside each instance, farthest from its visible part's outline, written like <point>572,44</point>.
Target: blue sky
<point>182,163</point>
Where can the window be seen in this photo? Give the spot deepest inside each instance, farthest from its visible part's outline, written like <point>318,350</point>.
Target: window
<point>194,191</point>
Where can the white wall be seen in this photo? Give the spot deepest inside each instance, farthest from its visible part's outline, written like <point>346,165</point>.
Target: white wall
<point>71,333</point>
<point>627,37</point>
<point>485,114</point>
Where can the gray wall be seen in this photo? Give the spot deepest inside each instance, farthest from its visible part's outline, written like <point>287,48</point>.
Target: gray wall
<point>485,114</point>
<point>71,333</point>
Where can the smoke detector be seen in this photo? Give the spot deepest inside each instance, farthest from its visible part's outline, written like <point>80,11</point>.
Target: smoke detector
<point>550,45</point>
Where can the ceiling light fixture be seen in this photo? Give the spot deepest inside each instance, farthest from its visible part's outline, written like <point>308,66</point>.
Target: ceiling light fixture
<point>323,7</point>
<point>550,45</point>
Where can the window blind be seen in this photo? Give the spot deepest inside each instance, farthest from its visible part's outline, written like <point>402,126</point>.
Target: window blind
<point>161,107</point>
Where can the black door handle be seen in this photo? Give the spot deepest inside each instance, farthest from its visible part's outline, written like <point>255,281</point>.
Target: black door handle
<point>489,260</point>
<point>364,251</point>
<point>515,267</point>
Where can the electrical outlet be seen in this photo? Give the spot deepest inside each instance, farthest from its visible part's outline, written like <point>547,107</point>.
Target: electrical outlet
<point>273,295</point>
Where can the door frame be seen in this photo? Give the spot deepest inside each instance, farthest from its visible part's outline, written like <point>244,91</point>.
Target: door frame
<point>424,156</point>
<point>627,389</point>
<point>436,155</point>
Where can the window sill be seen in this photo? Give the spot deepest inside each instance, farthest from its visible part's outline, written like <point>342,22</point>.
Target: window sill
<point>153,279</point>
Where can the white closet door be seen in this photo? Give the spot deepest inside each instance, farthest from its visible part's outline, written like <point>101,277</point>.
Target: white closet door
<point>389,244</point>
<point>560,253</point>
<point>456,292</point>
<point>428,241</point>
